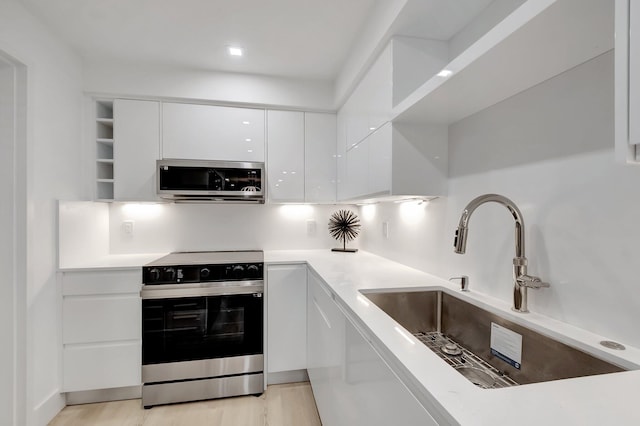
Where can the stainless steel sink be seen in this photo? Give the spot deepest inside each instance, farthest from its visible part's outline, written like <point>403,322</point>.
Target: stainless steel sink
<point>442,321</point>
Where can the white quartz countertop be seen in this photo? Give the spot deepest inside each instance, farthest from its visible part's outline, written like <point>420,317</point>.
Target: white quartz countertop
<point>594,400</point>
<point>112,261</point>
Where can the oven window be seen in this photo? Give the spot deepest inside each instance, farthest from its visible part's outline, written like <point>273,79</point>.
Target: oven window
<point>191,328</point>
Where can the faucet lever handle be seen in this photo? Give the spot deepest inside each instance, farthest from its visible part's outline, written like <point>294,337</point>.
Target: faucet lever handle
<point>464,282</point>
<point>530,281</point>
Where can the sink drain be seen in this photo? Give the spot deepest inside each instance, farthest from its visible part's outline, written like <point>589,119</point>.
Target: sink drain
<point>451,349</point>
<point>477,377</point>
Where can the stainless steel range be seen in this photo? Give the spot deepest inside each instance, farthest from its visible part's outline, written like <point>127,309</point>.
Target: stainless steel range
<point>202,326</point>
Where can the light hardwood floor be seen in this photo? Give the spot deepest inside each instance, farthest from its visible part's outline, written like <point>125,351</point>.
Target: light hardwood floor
<point>289,404</point>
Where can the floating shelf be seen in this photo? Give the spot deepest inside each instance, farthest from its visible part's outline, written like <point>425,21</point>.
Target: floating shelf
<point>539,40</point>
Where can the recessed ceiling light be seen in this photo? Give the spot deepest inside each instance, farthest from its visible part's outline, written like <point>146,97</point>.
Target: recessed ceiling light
<point>445,73</point>
<point>247,140</point>
<point>246,122</point>
<point>234,51</point>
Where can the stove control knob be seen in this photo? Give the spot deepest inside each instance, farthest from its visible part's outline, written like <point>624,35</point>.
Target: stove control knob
<point>169,274</point>
<point>154,274</point>
<point>253,271</point>
<point>204,273</point>
<point>237,271</point>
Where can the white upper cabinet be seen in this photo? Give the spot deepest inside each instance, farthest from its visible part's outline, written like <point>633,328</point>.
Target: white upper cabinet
<point>136,148</point>
<point>320,157</point>
<point>627,82</point>
<point>356,183</point>
<point>377,159</point>
<point>369,106</point>
<point>285,166</point>
<point>301,157</point>
<point>207,132</point>
<point>341,156</point>
<point>397,161</point>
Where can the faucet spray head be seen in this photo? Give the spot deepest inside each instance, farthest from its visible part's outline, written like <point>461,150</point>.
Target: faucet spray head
<point>460,240</point>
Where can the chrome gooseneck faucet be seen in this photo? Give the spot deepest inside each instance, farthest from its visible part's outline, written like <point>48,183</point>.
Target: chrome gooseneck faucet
<point>521,281</point>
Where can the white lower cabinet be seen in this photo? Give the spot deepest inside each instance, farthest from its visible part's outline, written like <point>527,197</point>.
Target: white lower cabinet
<point>351,382</point>
<point>325,352</point>
<point>286,318</point>
<point>101,366</point>
<point>101,329</point>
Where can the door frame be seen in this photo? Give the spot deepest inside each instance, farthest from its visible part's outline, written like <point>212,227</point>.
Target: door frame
<point>13,261</point>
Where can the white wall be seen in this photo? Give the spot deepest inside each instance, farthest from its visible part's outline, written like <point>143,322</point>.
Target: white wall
<point>157,82</point>
<point>54,112</point>
<point>366,48</point>
<point>193,227</point>
<point>549,149</point>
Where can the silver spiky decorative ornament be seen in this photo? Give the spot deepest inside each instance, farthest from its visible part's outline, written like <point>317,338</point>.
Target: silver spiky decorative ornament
<point>344,226</point>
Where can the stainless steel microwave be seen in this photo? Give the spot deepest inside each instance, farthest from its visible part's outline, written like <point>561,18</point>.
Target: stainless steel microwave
<point>210,181</point>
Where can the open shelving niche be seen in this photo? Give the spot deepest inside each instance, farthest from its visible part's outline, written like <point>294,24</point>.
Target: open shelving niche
<point>104,150</point>
<point>537,40</point>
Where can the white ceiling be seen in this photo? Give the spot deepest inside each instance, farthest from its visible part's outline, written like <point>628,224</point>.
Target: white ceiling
<point>306,39</point>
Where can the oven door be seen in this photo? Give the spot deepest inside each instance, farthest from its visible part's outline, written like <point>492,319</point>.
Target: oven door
<point>203,327</point>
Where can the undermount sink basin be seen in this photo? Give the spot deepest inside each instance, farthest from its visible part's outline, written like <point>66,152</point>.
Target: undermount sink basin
<point>460,333</point>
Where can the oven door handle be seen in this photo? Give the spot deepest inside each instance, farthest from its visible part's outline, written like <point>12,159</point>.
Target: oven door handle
<point>201,290</point>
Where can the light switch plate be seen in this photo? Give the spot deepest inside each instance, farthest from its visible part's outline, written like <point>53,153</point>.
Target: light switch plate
<point>385,230</point>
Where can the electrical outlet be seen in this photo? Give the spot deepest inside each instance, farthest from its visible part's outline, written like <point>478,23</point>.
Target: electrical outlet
<point>127,227</point>
<point>385,230</point>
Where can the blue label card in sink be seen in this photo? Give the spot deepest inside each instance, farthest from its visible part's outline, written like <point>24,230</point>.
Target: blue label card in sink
<point>506,345</point>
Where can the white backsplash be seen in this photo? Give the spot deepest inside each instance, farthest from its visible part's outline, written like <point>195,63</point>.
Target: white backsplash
<point>194,227</point>
<point>550,150</point>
